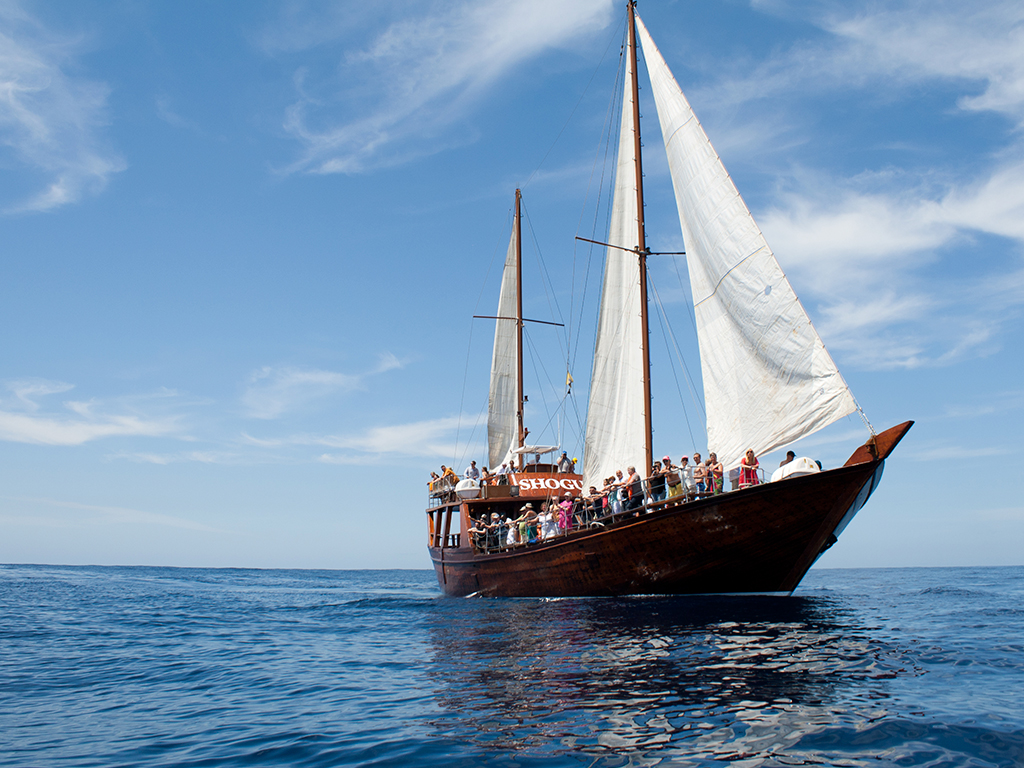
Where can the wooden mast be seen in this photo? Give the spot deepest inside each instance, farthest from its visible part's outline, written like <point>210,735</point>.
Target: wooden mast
<point>518,230</point>
<point>641,246</point>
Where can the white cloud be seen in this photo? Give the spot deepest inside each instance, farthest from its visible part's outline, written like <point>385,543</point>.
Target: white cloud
<point>433,438</point>
<point>28,390</point>
<point>101,515</point>
<point>939,452</point>
<point>417,78</point>
<point>272,392</point>
<point>50,121</point>
<point>163,459</point>
<point>889,46</point>
<point>23,421</point>
<point>875,255</point>
<point>57,430</point>
<point>878,251</point>
<point>979,41</point>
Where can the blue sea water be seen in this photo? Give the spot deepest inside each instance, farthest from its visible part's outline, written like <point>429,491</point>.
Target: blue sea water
<point>103,666</point>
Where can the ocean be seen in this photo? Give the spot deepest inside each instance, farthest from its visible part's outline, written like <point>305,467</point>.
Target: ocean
<point>111,666</point>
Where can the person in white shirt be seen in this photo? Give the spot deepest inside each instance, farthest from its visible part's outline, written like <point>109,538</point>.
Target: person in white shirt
<point>565,464</point>
<point>548,522</point>
<point>686,472</point>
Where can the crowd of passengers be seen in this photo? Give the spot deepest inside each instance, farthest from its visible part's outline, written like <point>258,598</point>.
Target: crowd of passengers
<point>448,478</point>
<point>621,495</point>
<point>702,477</point>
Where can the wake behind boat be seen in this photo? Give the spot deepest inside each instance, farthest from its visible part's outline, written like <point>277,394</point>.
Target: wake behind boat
<point>768,381</point>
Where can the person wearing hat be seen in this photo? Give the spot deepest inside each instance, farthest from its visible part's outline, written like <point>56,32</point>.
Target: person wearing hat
<point>495,532</point>
<point>673,478</point>
<point>521,521</point>
<point>656,482</point>
<point>565,513</point>
<point>511,532</point>
<point>478,532</point>
<point>548,521</point>
<point>532,525</point>
<point>565,464</point>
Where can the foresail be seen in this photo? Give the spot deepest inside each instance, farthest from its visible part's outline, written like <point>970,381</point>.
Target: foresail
<point>501,412</point>
<point>615,419</point>
<point>768,379</point>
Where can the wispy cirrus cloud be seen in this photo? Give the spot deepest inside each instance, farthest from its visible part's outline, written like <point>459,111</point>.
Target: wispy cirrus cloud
<point>432,438</point>
<point>28,391</point>
<point>179,457</point>
<point>51,121</point>
<point>398,96</point>
<point>24,420</point>
<point>877,251</point>
<point>272,391</point>
<point>880,251</point>
<point>82,514</point>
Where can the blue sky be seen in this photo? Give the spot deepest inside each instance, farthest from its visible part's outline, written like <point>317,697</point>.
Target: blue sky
<point>241,245</point>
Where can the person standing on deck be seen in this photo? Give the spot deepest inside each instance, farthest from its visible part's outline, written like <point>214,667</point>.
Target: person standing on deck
<point>700,474</point>
<point>717,473</point>
<point>565,513</point>
<point>635,486</point>
<point>565,464</point>
<point>472,472</point>
<point>686,473</point>
<point>748,470</point>
<point>656,482</point>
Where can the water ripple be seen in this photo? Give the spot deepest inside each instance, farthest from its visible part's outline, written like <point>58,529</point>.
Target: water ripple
<point>178,667</point>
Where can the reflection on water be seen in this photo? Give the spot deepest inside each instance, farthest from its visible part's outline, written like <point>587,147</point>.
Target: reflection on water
<point>647,681</point>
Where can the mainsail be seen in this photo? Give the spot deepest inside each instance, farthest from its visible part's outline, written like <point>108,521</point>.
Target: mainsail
<point>615,437</point>
<point>501,418</point>
<point>768,379</point>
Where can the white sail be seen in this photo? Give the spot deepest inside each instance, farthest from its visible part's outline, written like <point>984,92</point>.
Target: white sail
<point>501,413</point>
<point>615,419</point>
<point>768,379</point>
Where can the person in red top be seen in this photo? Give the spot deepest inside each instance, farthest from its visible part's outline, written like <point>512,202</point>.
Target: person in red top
<point>748,470</point>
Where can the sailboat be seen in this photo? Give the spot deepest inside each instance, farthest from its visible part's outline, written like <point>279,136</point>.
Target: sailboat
<point>768,381</point>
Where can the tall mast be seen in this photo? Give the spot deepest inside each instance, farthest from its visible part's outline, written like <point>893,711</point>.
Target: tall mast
<point>641,246</point>
<point>517,228</point>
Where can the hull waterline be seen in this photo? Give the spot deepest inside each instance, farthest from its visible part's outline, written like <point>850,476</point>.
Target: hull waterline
<point>757,540</point>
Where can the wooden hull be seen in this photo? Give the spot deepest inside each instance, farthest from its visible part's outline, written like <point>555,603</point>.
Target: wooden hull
<point>761,539</point>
